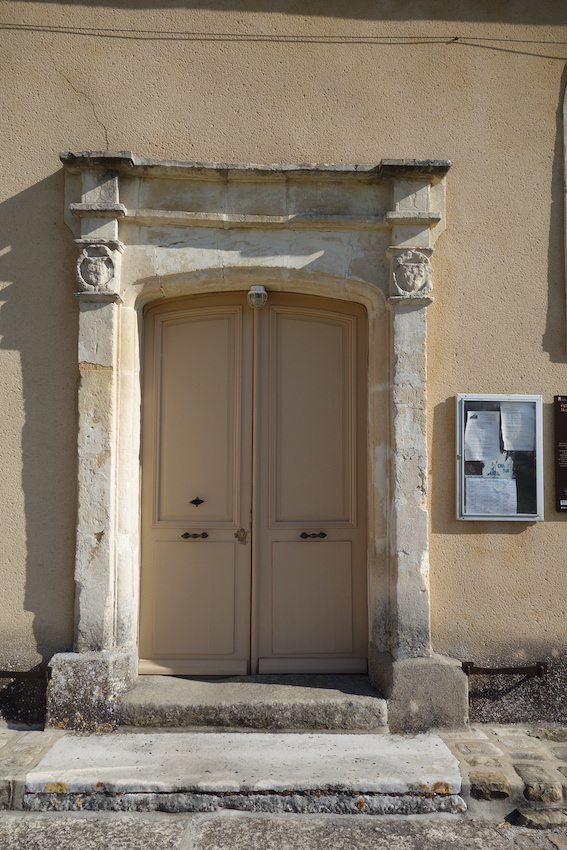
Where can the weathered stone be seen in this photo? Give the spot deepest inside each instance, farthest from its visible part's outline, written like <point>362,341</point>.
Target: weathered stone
<point>306,804</point>
<point>478,748</point>
<point>249,832</point>
<point>126,832</point>
<point>247,762</point>
<point>559,753</point>
<point>541,818</point>
<point>483,761</point>
<point>559,841</point>
<point>84,690</point>
<point>241,831</point>
<point>255,702</point>
<point>5,793</point>
<point>551,733</point>
<point>424,693</point>
<point>489,786</point>
<point>529,755</point>
<point>540,785</point>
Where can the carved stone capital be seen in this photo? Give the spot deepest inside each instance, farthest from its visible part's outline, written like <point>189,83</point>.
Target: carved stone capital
<point>410,273</point>
<point>98,270</point>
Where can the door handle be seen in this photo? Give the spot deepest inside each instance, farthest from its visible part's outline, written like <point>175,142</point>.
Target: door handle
<point>241,535</point>
<point>188,534</point>
<point>304,535</point>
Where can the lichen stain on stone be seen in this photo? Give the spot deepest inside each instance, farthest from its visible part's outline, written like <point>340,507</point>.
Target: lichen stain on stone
<point>56,787</point>
<point>441,788</point>
<point>360,804</point>
<point>101,457</point>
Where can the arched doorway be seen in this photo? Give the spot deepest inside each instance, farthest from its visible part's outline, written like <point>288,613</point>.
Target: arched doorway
<point>254,516</point>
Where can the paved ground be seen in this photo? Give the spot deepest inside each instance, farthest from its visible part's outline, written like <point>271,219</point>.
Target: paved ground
<point>239,831</point>
<point>512,778</point>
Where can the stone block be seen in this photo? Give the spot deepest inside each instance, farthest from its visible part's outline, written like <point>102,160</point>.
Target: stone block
<point>489,786</point>
<point>84,690</point>
<point>541,819</point>
<point>425,693</point>
<point>539,785</point>
<point>5,793</point>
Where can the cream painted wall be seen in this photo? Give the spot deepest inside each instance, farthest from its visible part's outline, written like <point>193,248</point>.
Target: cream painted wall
<point>147,82</point>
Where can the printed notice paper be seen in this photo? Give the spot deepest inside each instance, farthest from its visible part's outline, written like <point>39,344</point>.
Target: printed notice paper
<point>482,435</point>
<point>490,495</point>
<point>518,426</point>
<point>501,468</point>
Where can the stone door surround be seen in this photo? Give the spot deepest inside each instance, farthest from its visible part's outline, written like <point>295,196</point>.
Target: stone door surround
<point>151,229</point>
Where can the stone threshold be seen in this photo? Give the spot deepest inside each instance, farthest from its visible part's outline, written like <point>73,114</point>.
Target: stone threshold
<point>296,773</point>
<point>286,702</point>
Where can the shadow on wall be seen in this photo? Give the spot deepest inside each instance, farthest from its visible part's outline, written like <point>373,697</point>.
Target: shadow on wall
<point>555,336</point>
<point>514,11</point>
<point>38,322</point>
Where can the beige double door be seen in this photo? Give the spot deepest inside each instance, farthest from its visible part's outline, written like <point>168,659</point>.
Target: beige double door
<point>254,509</point>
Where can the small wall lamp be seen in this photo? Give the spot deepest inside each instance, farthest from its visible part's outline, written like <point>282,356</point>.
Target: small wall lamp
<point>257,296</point>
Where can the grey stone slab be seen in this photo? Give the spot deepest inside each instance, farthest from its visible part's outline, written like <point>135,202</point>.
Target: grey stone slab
<point>95,832</point>
<point>246,762</point>
<point>333,833</point>
<point>264,702</point>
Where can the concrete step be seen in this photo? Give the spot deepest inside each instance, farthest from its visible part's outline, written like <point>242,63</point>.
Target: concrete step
<point>255,702</point>
<point>302,773</point>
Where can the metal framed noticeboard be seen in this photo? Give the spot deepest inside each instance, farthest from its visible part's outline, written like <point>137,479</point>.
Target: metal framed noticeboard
<point>499,457</point>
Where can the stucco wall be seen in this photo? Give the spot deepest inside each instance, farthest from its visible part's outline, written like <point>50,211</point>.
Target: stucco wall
<point>262,82</point>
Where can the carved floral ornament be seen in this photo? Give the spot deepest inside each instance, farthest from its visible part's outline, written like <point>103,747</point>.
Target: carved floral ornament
<point>96,270</point>
<point>411,272</point>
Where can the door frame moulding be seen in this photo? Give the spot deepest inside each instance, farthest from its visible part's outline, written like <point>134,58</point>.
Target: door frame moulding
<point>150,229</point>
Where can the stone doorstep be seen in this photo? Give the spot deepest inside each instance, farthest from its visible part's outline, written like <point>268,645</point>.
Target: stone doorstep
<point>300,773</point>
<point>255,702</point>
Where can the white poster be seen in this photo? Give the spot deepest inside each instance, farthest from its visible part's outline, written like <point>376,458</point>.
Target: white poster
<point>482,435</point>
<point>490,495</point>
<point>518,426</point>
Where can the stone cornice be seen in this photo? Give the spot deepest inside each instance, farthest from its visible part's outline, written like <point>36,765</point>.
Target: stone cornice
<point>129,163</point>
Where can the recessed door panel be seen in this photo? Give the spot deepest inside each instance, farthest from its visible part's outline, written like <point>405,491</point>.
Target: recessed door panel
<point>312,401</point>
<point>254,480</point>
<point>194,598</point>
<point>197,431</point>
<point>312,598</point>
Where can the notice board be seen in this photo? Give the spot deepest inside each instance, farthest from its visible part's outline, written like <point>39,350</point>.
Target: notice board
<point>499,457</point>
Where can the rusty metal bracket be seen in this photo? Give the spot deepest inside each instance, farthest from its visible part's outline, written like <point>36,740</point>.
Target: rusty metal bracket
<point>539,670</point>
<point>43,674</point>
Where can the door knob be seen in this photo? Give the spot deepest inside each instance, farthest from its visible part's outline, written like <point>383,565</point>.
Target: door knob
<point>241,535</point>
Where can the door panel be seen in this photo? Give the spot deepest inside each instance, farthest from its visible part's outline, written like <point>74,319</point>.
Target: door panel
<point>312,592</point>
<point>198,409</point>
<point>311,399</point>
<point>310,478</point>
<point>261,415</point>
<point>197,444</point>
<point>194,598</point>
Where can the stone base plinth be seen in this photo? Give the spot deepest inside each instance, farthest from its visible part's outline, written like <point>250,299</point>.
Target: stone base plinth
<point>85,688</point>
<point>422,693</point>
